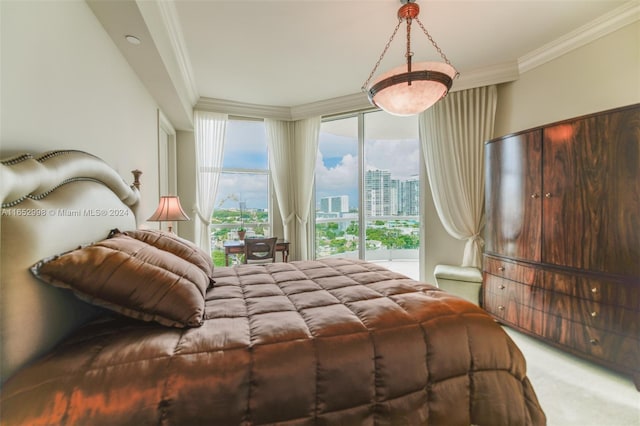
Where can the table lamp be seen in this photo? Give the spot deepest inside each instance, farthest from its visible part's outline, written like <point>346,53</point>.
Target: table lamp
<point>169,210</point>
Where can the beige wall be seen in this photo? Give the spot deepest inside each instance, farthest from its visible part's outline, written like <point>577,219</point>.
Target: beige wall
<point>186,159</point>
<point>601,75</point>
<point>66,86</point>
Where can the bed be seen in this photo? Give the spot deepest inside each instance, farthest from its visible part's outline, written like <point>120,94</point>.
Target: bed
<point>104,323</point>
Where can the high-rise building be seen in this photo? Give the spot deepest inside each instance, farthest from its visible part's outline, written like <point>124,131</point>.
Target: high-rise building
<point>391,197</point>
<point>338,204</point>
<point>377,184</point>
<point>410,196</point>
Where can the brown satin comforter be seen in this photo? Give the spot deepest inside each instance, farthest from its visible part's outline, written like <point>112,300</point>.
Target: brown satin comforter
<point>333,341</point>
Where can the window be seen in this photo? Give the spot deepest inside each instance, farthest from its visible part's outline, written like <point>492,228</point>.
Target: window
<point>336,191</point>
<point>242,200</point>
<point>368,188</point>
<point>391,187</point>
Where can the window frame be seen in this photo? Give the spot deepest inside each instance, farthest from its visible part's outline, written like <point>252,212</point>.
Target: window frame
<point>362,217</point>
<point>244,171</point>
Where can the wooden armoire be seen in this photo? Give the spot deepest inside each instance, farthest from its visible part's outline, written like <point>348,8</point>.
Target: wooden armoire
<point>562,238</point>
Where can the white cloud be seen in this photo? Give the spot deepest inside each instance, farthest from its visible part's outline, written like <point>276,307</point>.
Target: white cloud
<point>344,174</point>
<point>400,157</point>
<point>338,180</point>
<point>245,187</point>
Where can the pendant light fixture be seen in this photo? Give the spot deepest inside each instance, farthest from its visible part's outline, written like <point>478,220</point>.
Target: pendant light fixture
<point>411,88</point>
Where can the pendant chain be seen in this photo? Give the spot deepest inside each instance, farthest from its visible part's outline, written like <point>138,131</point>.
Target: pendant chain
<point>409,54</point>
<point>373,71</point>
<point>433,42</point>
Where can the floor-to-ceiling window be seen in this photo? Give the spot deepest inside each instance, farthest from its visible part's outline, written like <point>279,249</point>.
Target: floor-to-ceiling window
<point>337,191</point>
<point>368,188</point>
<point>242,201</point>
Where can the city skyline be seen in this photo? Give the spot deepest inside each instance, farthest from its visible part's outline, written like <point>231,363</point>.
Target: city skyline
<point>394,196</point>
<point>336,164</point>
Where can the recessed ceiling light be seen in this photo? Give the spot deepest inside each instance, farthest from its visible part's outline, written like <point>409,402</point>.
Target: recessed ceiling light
<point>132,39</point>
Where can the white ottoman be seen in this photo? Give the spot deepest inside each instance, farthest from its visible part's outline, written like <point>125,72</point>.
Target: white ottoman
<point>462,281</point>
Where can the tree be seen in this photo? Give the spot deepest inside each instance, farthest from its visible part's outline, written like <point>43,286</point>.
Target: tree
<point>353,229</point>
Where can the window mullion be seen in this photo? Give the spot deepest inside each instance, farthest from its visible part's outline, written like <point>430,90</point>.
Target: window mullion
<point>361,192</point>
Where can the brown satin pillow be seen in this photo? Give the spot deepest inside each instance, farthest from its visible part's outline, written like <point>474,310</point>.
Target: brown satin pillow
<point>172,243</point>
<point>132,278</point>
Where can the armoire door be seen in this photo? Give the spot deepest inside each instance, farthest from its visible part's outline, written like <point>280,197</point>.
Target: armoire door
<point>591,193</point>
<point>513,196</point>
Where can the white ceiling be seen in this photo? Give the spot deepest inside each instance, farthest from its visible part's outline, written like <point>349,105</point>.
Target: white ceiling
<point>297,53</point>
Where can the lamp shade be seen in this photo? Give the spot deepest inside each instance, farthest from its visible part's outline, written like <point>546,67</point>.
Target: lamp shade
<point>403,93</point>
<point>412,88</point>
<point>169,209</point>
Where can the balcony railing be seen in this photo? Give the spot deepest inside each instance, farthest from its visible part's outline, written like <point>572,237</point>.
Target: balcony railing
<point>387,237</point>
<point>392,241</point>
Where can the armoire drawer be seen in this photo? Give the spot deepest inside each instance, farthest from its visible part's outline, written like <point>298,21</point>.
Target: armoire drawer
<point>510,312</point>
<point>593,314</point>
<point>595,342</point>
<point>599,290</point>
<point>502,306</point>
<point>510,270</point>
<point>523,294</point>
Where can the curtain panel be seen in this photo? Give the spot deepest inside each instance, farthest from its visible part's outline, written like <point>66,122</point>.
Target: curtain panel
<point>452,134</point>
<point>292,157</point>
<point>210,129</point>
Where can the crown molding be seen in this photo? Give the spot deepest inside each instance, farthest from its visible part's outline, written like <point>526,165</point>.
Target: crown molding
<point>339,105</point>
<point>622,16</point>
<point>244,109</point>
<point>355,102</point>
<point>171,22</point>
<point>342,104</point>
<point>494,74</point>
<point>486,76</point>
<point>152,60</point>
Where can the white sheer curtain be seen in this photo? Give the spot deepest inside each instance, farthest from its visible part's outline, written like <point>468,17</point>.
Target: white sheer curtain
<point>452,134</point>
<point>292,157</point>
<point>209,131</point>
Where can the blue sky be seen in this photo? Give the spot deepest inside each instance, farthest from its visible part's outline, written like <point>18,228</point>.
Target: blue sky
<point>336,164</point>
<point>246,147</point>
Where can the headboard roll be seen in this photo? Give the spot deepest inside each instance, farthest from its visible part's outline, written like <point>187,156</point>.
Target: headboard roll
<point>51,203</point>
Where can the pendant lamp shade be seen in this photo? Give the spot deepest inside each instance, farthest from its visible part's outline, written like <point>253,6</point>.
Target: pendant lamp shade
<point>401,93</point>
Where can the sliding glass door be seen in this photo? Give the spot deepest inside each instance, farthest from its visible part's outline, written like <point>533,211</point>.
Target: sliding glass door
<point>368,188</point>
<point>391,187</point>
<point>337,190</point>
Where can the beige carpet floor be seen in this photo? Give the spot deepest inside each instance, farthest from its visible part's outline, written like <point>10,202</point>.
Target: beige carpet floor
<point>573,391</point>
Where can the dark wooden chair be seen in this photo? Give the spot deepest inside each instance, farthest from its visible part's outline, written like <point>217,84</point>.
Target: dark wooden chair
<point>260,250</point>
